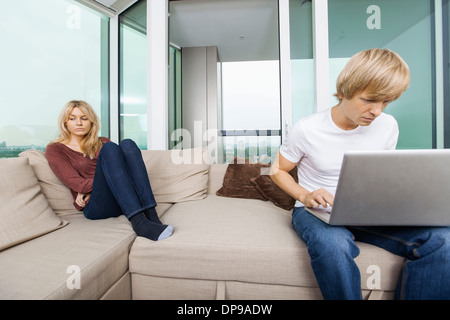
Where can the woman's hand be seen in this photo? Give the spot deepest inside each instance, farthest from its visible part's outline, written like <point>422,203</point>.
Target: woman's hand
<point>82,199</point>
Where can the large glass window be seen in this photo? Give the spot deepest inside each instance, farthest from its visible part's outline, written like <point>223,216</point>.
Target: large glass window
<point>133,74</point>
<point>53,51</point>
<point>302,60</point>
<point>251,95</point>
<point>404,26</point>
<point>251,109</point>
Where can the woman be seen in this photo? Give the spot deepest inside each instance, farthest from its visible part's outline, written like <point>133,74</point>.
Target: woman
<point>105,179</point>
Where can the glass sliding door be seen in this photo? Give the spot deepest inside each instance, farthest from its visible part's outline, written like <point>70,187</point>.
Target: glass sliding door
<point>134,101</point>
<point>406,27</point>
<point>133,74</point>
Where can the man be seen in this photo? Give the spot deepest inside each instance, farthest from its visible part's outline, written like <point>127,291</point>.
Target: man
<point>316,145</point>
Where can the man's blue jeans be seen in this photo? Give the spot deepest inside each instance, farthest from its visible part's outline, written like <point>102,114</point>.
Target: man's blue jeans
<point>121,184</point>
<point>426,269</point>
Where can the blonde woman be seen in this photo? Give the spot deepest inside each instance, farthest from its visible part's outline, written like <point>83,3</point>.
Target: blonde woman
<point>105,179</point>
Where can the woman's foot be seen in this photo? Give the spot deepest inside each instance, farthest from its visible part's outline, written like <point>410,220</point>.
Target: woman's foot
<point>152,215</point>
<point>148,229</point>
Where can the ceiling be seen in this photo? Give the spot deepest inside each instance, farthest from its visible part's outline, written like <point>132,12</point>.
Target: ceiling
<point>243,30</point>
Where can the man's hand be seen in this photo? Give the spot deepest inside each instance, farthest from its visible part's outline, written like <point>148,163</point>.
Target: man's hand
<point>318,197</point>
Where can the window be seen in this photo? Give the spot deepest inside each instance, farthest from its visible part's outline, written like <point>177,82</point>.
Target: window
<point>251,95</point>
<point>302,60</point>
<point>54,51</point>
<point>251,109</point>
<point>133,74</point>
<point>406,27</point>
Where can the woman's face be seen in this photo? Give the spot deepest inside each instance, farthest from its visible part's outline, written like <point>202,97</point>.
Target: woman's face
<point>78,123</point>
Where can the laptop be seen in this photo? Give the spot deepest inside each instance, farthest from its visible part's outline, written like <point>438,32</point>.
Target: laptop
<point>391,188</point>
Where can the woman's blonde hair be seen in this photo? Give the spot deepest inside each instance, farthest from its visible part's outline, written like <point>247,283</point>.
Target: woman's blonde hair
<point>91,142</point>
<point>381,73</point>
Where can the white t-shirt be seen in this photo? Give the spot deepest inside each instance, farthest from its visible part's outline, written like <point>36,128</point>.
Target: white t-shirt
<point>318,145</point>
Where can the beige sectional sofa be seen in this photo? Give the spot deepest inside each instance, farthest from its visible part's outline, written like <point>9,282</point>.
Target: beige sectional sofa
<point>221,248</point>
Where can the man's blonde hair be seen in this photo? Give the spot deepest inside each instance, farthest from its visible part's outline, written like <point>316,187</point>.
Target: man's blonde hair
<point>91,142</point>
<point>381,73</point>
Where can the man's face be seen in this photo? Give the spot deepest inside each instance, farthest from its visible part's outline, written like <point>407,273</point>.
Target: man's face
<point>361,110</point>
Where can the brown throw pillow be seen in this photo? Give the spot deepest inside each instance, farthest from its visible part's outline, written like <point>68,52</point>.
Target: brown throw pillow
<point>237,180</point>
<point>274,193</point>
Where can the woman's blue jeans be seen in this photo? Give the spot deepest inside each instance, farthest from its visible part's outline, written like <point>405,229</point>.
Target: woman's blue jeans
<point>121,184</point>
<point>426,269</point>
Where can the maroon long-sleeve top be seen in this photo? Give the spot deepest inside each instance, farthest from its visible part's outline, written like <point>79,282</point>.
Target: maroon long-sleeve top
<point>72,168</point>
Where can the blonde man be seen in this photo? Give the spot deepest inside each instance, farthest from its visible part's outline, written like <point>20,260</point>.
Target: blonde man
<point>316,145</point>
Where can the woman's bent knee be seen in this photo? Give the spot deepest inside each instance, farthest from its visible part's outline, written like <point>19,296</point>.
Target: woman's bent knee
<point>128,144</point>
<point>109,147</point>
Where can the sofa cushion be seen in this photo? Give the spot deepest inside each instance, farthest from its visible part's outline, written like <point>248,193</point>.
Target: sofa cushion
<point>46,267</point>
<point>176,175</point>
<point>57,194</point>
<point>24,212</point>
<point>243,240</point>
